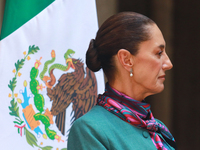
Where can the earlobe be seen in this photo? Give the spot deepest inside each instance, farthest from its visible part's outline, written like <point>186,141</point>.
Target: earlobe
<point>125,58</point>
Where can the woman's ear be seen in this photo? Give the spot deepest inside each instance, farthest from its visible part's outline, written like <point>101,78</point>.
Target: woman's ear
<point>125,58</point>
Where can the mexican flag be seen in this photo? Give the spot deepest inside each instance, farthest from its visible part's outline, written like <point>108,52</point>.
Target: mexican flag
<point>44,82</point>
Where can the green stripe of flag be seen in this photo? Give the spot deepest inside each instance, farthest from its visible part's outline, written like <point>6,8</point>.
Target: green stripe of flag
<point>18,12</point>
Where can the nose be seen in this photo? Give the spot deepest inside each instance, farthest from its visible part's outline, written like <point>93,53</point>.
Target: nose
<point>167,65</point>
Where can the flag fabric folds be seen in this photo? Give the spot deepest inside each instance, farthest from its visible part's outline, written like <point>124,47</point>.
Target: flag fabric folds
<point>44,82</point>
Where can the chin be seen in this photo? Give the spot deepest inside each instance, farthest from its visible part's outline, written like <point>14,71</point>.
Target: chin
<point>159,89</point>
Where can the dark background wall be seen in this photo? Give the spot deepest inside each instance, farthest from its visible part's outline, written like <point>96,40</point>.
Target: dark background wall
<point>186,91</point>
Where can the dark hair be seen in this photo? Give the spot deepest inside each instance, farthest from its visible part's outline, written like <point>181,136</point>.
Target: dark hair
<point>125,30</point>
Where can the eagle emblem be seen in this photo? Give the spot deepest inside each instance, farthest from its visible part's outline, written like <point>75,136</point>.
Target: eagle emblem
<point>76,85</point>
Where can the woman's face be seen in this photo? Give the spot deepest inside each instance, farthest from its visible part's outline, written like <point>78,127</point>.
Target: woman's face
<point>150,63</point>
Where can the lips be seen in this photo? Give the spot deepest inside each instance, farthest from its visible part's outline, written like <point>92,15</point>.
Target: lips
<point>163,76</point>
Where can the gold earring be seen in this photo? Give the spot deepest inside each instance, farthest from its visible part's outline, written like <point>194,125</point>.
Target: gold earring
<point>131,72</point>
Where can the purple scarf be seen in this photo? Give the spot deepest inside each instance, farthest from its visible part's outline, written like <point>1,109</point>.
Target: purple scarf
<point>136,113</point>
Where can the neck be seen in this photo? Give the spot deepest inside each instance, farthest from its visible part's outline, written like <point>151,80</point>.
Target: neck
<point>128,88</point>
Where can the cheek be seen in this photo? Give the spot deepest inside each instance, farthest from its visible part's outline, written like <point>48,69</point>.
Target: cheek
<point>149,64</point>
<point>155,67</point>
<point>147,70</point>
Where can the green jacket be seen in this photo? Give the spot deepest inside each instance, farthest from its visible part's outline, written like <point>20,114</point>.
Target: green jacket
<point>101,130</point>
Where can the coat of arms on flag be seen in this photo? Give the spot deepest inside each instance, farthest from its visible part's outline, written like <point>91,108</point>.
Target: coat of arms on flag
<point>30,112</point>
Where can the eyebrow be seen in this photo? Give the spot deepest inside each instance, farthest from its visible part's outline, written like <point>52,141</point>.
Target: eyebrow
<point>161,46</point>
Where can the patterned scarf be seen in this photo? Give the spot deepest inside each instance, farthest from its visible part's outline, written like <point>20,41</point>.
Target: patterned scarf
<point>136,113</point>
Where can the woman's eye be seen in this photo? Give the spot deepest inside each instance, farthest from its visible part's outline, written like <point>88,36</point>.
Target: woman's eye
<point>160,53</point>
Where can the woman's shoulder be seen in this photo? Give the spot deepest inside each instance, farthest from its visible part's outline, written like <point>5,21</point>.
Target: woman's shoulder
<point>108,129</point>
<point>100,119</point>
<point>97,115</point>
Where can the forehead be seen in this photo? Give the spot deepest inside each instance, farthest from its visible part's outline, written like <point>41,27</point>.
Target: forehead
<point>156,35</point>
<point>156,39</point>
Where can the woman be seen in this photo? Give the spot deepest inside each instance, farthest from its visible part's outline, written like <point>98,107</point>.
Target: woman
<point>131,50</point>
